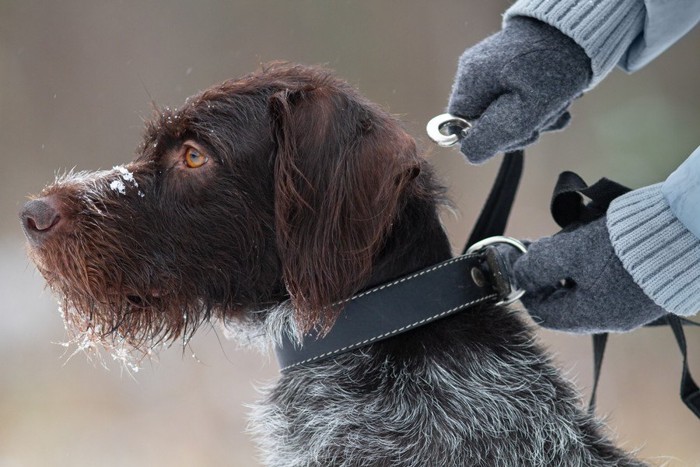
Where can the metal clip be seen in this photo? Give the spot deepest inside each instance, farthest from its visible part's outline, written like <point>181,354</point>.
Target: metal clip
<point>515,293</point>
<point>446,129</point>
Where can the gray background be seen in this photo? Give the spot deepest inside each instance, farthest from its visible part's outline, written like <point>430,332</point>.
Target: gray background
<point>76,79</point>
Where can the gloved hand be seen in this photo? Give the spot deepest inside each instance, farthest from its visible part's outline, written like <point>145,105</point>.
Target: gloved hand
<point>515,84</point>
<point>575,282</point>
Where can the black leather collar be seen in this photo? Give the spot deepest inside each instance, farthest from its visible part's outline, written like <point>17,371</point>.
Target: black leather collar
<point>404,304</point>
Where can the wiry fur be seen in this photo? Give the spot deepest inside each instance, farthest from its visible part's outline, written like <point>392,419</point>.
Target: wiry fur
<point>485,395</point>
<point>310,193</point>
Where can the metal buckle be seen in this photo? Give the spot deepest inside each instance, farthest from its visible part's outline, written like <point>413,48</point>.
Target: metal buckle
<point>446,129</point>
<point>515,293</point>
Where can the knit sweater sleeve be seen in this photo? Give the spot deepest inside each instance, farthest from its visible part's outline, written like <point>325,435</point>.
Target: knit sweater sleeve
<point>629,33</point>
<point>655,232</point>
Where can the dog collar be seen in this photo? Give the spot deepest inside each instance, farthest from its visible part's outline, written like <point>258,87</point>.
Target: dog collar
<point>409,302</point>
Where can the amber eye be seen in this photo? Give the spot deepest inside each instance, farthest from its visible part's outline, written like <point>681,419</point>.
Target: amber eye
<point>194,158</point>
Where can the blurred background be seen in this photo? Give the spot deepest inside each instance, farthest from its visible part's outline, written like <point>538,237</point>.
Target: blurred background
<point>76,78</point>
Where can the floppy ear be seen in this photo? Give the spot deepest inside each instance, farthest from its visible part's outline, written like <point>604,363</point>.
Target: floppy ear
<point>340,170</point>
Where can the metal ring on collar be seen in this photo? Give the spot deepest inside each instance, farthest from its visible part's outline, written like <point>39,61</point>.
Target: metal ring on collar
<point>446,129</point>
<point>515,293</point>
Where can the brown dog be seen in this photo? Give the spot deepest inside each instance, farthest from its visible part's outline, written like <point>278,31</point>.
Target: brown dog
<point>260,203</point>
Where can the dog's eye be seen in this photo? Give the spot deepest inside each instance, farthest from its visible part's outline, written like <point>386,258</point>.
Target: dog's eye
<point>194,158</point>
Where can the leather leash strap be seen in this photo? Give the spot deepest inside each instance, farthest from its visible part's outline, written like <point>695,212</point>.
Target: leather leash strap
<point>494,215</point>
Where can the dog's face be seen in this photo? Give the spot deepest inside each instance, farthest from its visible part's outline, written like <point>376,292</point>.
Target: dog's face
<point>280,185</point>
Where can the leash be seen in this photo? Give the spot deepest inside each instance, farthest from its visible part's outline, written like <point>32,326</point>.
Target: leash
<point>479,275</point>
<point>567,208</point>
<point>446,130</point>
<point>494,215</point>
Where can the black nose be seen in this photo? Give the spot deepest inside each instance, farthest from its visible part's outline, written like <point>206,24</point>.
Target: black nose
<point>40,217</point>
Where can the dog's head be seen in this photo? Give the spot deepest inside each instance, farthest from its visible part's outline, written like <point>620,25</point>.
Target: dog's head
<point>281,185</point>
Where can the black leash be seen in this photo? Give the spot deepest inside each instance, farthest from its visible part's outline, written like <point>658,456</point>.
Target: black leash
<point>599,343</point>
<point>494,215</point>
<point>446,130</point>
<point>569,210</point>
<point>405,303</point>
<point>689,391</point>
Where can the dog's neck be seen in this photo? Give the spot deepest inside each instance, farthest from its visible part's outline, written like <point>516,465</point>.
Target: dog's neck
<point>417,240</point>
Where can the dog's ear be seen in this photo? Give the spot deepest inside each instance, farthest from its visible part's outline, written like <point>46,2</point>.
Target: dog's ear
<point>341,168</point>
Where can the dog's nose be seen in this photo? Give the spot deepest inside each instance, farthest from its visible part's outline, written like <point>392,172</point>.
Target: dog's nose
<point>40,217</point>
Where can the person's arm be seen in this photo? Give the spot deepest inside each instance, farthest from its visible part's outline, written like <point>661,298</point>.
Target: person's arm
<point>520,81</point>
<point>604,29</point>
<point>628,33</point>
<point>620,272</point>
<point>655,232</point>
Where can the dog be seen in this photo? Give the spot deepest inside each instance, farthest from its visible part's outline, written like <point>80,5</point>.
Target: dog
<point>259,204</point>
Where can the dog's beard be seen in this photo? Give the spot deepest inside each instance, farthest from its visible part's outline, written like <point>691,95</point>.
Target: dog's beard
<point>129,332</point>
<point>128,326</point>
<point>117,269</point>
<point>115,303</point>
<point>112,294</point>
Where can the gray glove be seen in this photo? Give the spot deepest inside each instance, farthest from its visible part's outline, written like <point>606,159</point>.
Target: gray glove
<point>575,282</point>
<point>515,84</point>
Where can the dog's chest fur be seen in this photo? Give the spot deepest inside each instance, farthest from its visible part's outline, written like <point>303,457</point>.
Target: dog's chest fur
<point>473,389</point>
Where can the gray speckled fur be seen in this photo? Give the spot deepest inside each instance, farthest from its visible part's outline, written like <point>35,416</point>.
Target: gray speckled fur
<point>477,405</point>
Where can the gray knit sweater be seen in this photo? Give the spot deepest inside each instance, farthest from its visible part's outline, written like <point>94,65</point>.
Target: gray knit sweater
<point>654,230</point>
